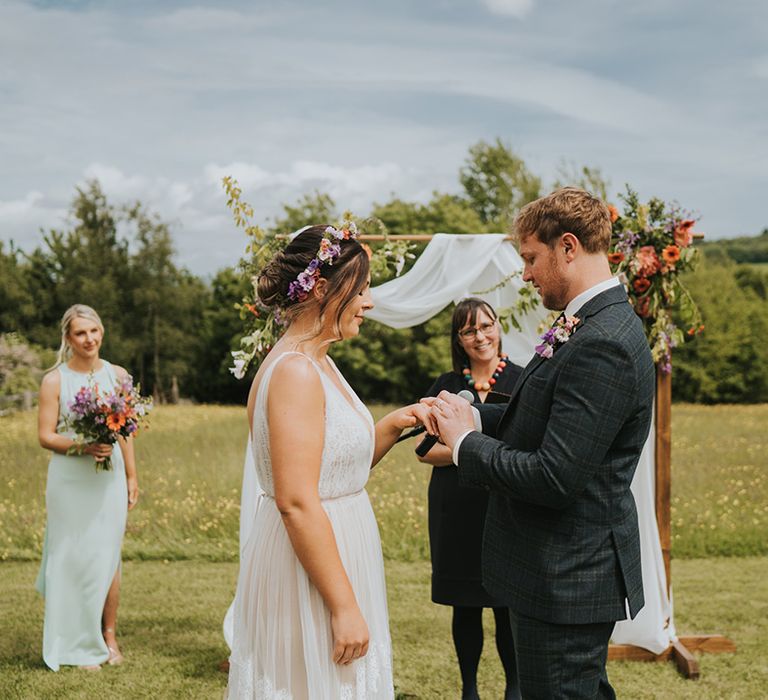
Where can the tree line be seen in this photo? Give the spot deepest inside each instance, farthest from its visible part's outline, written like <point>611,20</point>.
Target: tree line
<point>174,330</point>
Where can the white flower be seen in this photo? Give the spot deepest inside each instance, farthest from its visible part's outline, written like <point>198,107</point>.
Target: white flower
<point>239,369</point>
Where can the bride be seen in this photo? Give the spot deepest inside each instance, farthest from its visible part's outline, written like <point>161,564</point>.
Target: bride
<point>310,612</point>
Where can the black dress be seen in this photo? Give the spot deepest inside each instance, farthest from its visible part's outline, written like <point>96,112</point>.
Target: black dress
<point>457,518</point>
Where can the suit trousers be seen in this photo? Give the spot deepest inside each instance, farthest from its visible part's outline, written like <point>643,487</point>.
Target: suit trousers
<point>561,661</point>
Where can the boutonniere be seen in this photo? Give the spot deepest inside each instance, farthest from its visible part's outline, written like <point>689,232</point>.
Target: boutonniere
<point>557,335</point>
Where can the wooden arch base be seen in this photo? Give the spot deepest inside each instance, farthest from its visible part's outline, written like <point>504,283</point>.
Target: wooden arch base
<point>680,651</point>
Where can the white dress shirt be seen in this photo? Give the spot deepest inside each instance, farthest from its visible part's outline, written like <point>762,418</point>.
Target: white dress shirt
<point>571,309</point>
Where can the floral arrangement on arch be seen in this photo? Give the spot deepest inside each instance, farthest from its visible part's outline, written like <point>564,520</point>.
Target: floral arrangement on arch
<point>263,324</point>
<point>651,247</point>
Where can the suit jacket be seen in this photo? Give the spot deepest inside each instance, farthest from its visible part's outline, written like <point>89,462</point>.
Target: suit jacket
<point>561,541</point>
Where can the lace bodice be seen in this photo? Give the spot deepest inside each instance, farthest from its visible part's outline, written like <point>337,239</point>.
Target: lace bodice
<point>347,446</point>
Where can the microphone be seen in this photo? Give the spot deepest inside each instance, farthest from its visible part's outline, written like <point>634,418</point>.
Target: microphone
<point>429,442</point>
<point>413,432</point>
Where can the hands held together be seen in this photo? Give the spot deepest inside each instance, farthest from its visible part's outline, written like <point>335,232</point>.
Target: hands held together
<point>445,416</point>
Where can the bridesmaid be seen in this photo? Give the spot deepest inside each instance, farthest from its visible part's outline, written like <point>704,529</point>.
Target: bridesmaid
<point>456,513</point>
<point>87,509</point>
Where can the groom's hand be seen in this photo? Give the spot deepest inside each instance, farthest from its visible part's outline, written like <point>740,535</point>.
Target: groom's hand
<point>453,415</point>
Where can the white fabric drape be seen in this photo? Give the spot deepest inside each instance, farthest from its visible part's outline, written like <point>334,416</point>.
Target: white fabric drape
<point>249,499</point>
<point>452,267</point>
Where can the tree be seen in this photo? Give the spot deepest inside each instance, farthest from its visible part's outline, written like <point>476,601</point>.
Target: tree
<point>314,208</point>
<point>16,304</point>
<point>219,332</point>
<point>497,183</point>
<point>589,179</point>
<point>728,363</point>
<point>119,260</point>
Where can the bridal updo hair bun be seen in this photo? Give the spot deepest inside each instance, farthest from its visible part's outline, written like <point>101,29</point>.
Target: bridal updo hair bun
<point>269,286</point>
<point>346,276</point>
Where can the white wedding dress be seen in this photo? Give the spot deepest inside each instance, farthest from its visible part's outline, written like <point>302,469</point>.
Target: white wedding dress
<point>282,640</point>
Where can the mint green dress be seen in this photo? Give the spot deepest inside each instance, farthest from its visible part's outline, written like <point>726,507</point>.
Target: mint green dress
<point>87,512</point>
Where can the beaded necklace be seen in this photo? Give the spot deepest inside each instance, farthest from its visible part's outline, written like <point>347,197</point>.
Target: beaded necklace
<point>485,386</point>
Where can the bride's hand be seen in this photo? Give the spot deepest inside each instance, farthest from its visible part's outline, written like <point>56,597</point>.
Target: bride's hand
<point>421,414</point>
<point>350,636</point>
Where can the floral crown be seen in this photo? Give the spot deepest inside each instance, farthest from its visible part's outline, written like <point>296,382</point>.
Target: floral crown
<point>265,324</point>
<point>330,249</point>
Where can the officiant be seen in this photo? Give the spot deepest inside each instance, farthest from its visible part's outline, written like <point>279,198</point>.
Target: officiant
<point>457,513</point>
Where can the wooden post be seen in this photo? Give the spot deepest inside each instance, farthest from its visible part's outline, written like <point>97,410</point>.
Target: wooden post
<point>663,458</point>
<point>679,651</point>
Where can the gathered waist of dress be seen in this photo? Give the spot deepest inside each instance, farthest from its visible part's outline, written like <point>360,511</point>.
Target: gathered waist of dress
<point>330,499</point>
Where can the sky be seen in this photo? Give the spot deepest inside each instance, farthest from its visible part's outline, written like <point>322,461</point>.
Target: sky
<point>366,100</point>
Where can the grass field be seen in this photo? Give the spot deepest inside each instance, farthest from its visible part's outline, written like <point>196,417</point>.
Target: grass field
<point>190,468</point>
<point>170,630</point>
<point>182,548</point>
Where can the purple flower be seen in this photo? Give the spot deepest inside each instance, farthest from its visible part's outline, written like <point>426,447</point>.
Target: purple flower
<point>546,350</point>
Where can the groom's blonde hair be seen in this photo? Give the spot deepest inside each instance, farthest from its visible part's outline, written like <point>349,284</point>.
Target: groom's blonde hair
<point>567,210</point>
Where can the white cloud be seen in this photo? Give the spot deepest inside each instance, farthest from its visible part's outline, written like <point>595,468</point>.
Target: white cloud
<point>19,208</point>
<point>509,8</point>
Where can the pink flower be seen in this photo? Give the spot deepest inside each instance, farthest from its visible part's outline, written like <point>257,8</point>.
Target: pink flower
<point>646,262</point>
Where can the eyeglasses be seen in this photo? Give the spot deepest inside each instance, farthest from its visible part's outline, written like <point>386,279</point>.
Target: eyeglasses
<point>485,328</point>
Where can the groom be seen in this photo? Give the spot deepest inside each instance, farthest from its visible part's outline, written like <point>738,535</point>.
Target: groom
<point>561,543</point>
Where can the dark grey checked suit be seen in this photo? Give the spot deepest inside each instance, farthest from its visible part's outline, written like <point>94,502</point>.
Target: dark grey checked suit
<point>561,542</point>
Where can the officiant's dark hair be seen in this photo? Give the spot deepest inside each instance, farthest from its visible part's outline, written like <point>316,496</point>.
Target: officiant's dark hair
<point>569,209</point>
<point>466,313</point>
<point>346,277</point>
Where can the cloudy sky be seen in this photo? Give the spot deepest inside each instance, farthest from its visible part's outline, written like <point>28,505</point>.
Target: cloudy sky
<point>364,99</point>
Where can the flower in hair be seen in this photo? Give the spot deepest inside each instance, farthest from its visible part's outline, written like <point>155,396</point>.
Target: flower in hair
<point>330,249</point>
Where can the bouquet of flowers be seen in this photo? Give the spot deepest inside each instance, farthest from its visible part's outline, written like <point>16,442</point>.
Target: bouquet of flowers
<point>651,247</point>
<point>97,417</point>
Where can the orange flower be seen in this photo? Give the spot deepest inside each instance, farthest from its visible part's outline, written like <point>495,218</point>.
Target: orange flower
<point>683,233</point>
<point>671,254</point>
<point>115,421</point>
<point>614,212</point>
<point>615,258</point>
<point>252,309</point>
<point>641,285</point>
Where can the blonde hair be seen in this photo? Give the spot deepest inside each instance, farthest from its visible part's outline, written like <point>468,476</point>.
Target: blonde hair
<point>73,312</point>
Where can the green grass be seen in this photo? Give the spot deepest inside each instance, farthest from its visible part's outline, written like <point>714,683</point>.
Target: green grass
<point>190,468</point>
<point>170,630</point>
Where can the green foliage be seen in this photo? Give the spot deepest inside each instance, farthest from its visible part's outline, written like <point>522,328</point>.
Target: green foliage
<point>743,249</point>
<point>589,179</point>
<point>317,207</point>
<point>397,366</point>
<point>119,260</point>
<point>21,364</point>
<point>729,360</point>
<point>16,303</point>
<point>497,183</point>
